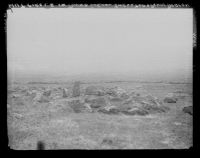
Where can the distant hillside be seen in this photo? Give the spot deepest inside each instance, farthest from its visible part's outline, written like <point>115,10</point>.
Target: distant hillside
<point>52,78</point>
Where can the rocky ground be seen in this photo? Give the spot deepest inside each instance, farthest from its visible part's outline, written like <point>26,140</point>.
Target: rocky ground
<point>100,116</point>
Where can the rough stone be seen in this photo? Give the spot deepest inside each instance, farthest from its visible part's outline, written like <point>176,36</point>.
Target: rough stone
<point>47,93</point>
<point>77,106</point>
<point>109,110</point>
<point>170,98</point>
<point>96,102</point>
<point>76,89</point>
<point>188,110</point>
<point>88,108</point>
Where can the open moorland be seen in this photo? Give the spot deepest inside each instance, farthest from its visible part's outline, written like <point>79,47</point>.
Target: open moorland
<point>115,115</point>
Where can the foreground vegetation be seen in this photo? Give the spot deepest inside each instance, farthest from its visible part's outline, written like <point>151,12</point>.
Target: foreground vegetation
<point>99,116</point>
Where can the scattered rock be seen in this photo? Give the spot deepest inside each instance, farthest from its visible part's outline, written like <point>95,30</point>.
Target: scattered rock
<point>109,110</point>
<point>96,102</point>
<point>170,98</point>
<point>99,99</point>
<point>111,92</point>
<point>41,98</point>
<point>124,96</point>
<point>155,109</point>
<point>143,105</point>
<point>17,116</point>
<point>153,100</point>
<point>77,106</point>
<point>188,110</point>
<point>88,108</point>
<point>47,93</point>
<point>116,92</point>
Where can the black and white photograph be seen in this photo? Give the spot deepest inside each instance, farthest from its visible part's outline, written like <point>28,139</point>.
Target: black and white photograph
<point>100,78</point>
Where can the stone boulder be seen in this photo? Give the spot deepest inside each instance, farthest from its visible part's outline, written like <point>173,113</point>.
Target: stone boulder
<point>155,109</point>
<point>77,106</point>
<point>115,92</point>
<point>143,105</point>
<point>96,102</point>
<point>31,94</point>
<point>39,97</point>
<point>109,110</point>
<point>88,108</point>
<point>129,108</point>
<point>47,93</point>
<point>188,110</point>
<point>124,96</point>
<point>170,98</point>
<point>153,100</point>
<point>17,116</point>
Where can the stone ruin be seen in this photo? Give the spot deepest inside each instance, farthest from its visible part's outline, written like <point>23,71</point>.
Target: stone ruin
<point>114,100</point>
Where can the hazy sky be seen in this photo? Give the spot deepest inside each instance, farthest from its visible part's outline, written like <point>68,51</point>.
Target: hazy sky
<point>74,41</point>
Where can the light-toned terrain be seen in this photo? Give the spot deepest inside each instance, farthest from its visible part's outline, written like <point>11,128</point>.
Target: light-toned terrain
<point>59,127</point>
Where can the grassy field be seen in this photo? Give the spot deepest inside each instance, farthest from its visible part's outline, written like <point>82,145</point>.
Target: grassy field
<point>59,127</point>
